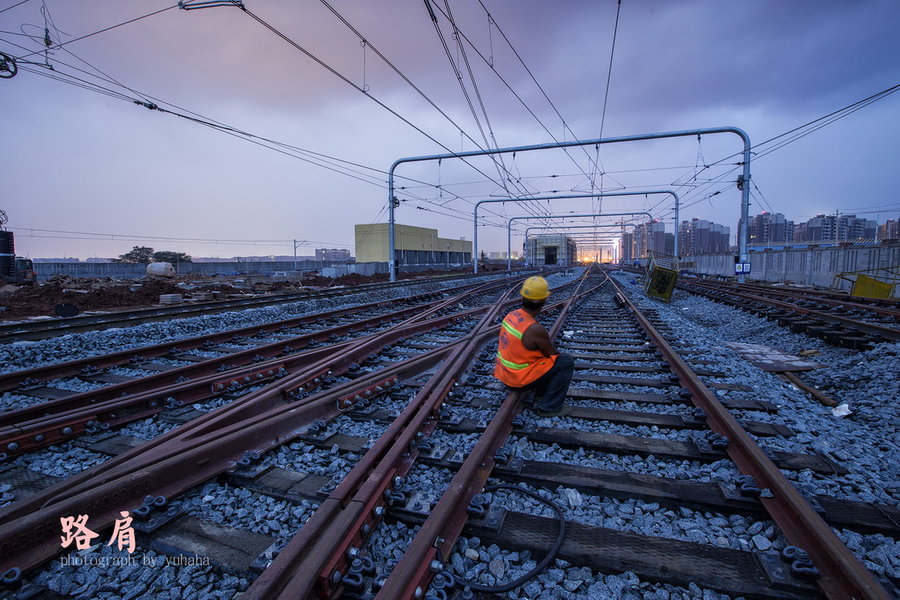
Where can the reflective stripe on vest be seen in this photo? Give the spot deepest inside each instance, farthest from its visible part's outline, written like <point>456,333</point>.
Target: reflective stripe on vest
<point>510,364</point>
<point>511,330</point>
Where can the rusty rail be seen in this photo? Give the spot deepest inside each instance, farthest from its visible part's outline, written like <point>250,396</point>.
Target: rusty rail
<point>34,330</point>
<point>10,381</point>
<point>886,307</point>
<point>51,422</point>
<point>187,456</point>
<point>314,562</point>
<point>888,333</point>
<point>437,536</point>
<point>842,575</point>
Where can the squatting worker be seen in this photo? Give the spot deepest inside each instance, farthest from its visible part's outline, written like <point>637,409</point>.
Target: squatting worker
<point>527,358</point>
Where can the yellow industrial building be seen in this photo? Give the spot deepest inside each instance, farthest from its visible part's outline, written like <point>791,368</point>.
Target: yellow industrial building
<point>412,246</point>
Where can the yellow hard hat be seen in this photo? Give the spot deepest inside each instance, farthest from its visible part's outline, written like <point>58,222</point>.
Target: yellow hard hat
<point>535,288</point>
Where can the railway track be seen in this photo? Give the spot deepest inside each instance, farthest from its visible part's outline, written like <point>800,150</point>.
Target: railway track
<point>241,358</point>
<point>51,327</point>
<point>384,463</point>
<point>848,322</point>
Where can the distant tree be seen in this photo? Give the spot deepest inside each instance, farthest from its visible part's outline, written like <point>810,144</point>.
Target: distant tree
<point>171,257</point>
<point>138,254</point>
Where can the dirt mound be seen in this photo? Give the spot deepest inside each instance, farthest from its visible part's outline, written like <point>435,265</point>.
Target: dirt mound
<point>95,293</point>
<point>83,293</point>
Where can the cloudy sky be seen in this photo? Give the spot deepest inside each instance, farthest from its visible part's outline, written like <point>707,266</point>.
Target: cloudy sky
<point>80,161</point>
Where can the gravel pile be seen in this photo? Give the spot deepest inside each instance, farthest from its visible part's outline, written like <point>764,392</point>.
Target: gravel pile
<point>146,429</point>
<point>644,431</point>
<point>865,442</point>
<point>737,532</point>
<point>76,385</point>
<point>305,458</point>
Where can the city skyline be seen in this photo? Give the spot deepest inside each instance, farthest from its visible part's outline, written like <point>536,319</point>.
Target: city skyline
<point>140,158</point>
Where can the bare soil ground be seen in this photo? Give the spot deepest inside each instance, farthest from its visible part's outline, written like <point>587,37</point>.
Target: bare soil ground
<point>90,293</point>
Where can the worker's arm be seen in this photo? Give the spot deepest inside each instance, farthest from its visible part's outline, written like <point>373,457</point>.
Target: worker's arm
<point>537,338</point>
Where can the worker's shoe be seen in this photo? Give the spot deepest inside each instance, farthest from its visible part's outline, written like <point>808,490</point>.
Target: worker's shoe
<point>565,410</point>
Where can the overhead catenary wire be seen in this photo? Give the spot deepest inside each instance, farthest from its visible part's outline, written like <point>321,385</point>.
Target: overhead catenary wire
<point>106,91</point>
<point>393,67</point>
<point>492,143</point>
<point>343,78</point>
<point>239,132</point>
<point>197,118</point>
<point>281,147</point>
<point>700,191</point>
<point>105,29</point>
<point>490,63</point>
<point>13,6</point>
<point>533,78</point>
<point>317,159</point>
<point>612,54</point>
<point>496,160</point>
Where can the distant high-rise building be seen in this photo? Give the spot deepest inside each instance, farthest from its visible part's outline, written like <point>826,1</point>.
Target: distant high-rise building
<point>821,228</point>
<point>333,254</point>
<point>767,228</point>
<point>850,227</point>
<point>699,236</point>
<point>626,247</point>
<point>644,239</point>
<point>889,230</point>
<point>836,228</point>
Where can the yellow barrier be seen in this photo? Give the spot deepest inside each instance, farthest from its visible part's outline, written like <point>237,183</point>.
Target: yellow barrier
<point>661,283</point>
<point>869,287</point>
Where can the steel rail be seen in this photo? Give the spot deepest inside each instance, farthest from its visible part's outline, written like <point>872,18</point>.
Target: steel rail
<point>184,457</point>
<point>31,330</point>
<point>888,333</point>
<point>315,559</point>
<point>318,365</point>
<point>840,295</point>
<point>10,381</point>
<point>842,575</point>
<point>438,534</point>
<point>206,378</point>
<point>799,295</point>
<point>212,365</point>
<point>29,533</point>
<point>337,358</point>
<point>46,424</point>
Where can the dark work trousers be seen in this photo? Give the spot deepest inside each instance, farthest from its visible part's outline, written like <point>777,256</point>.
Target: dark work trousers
<point>551,387</point>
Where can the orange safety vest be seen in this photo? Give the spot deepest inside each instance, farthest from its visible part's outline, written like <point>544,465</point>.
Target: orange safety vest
<point>517,366</point>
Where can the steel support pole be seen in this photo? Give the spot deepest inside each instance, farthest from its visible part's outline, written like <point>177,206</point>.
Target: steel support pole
<point>528,229</point>
<point>576,233</point>
<point>566,197</point>
<point>592,240</point>
<point>745,178</point>
<point>509,223</point>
